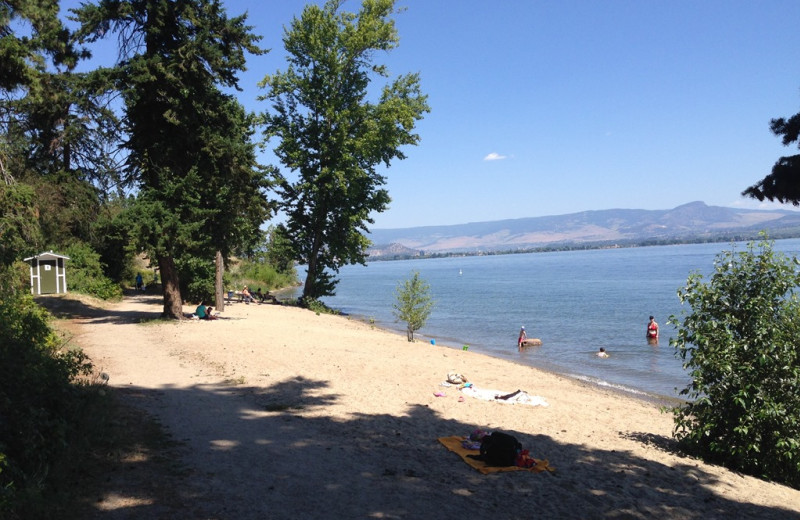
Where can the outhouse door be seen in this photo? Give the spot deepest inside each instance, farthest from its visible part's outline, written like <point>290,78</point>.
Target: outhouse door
<point>47,270</point>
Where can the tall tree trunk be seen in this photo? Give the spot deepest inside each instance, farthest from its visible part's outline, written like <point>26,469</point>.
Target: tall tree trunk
<point>218,290</point>
<point>309,288</point>
<point>311,274</point>
<point>170,288</point>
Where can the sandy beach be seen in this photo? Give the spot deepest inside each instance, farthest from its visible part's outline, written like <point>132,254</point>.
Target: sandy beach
<point>284,414</point>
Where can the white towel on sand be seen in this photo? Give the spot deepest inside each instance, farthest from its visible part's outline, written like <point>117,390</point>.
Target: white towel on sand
<point>492,395</point>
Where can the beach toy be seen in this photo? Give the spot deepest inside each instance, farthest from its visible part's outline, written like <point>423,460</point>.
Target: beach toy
<point>465,347</point>
<point>433,342</point>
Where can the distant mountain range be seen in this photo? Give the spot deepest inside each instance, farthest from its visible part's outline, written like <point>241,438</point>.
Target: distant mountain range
<point>693,222</point>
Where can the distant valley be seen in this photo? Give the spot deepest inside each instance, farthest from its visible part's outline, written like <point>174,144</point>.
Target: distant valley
<point>693,222</point>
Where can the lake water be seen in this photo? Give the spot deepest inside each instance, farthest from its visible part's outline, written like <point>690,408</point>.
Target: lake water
<point>574,301</point>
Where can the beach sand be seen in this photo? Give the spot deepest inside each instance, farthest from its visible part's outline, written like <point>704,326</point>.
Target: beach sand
<point>282,413</point>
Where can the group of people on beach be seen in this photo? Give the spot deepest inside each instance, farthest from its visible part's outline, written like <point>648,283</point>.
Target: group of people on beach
<point>257,297</point>
<point>651,333</point>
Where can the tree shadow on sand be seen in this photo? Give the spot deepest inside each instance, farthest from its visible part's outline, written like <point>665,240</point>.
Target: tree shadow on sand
<point>239,451</point>
<point>271,452</point>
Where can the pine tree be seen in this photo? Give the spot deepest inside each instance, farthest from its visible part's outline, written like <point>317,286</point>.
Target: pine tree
<point>177,56</point>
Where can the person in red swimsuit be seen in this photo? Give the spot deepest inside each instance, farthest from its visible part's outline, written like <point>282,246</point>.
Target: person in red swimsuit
<point>652,330</point>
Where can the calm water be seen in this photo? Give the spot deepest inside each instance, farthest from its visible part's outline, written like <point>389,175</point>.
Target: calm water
<point>575,302</point>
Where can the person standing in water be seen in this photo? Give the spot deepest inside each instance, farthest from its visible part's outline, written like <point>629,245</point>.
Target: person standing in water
<point>652,331</point>
<point>522,337</point>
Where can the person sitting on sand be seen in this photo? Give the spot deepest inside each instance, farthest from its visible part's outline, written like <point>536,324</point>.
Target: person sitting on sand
<point>522,337</point>
<point>210,314</point>
<point>602,353</point>
<point>200,311</point>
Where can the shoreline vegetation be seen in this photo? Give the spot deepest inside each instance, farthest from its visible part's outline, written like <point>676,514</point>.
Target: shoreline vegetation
<point>338,417</point>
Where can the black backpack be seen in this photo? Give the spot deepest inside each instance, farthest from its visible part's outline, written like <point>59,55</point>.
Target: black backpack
<point>499,449</point>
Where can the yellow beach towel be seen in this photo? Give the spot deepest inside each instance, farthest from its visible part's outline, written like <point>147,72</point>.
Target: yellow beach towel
<point>453,444</point>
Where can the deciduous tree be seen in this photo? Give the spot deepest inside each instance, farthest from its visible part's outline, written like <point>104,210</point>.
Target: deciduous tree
<point>332,138</point>
<point>413,304</point>
<point>739,343</point>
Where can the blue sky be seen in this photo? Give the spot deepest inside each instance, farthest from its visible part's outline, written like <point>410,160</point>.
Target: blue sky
<point>553,107</point>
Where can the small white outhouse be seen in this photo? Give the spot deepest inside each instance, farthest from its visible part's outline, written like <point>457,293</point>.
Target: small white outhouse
<point>48,274</point>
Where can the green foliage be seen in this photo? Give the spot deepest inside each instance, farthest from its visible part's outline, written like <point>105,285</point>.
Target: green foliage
<point>85,273</point>
<point>279,252</point>
<point>19,230</point>
<point>413,303</point>
<point>197,278</point>
<point>23,56</point>
<point>317,306</point>
<point>739,343</point>
<point>783,183</point>
<point>111,238</point>
<point>332,138</point>
<point>189,146</point>
<point>16,278</point>
<point>38,399</point>
<point>264,274</point>
<point>68,208</point>
<point>57,135</point>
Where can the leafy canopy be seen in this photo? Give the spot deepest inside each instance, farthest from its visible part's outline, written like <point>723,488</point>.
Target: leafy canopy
<point>739,343</point>
<point>332,138</point>
<point>413,303</point>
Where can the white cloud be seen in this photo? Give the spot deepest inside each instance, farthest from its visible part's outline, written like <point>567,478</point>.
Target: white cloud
<point>494,157</point>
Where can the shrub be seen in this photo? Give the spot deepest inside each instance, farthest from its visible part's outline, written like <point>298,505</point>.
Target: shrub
<point>739,343</point>
<point>37,398</point>
<point>413,304</point>
<point>256,273</point>
<point>85,273</point>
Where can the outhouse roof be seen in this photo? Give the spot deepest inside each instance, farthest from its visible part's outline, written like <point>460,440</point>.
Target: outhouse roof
<point>46,256</point>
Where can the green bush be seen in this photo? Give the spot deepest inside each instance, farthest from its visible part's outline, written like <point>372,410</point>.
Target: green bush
<point>413,304</point>
<point>197,278</point>
<point>85,273</point>
<point>739,343</point>
<point>262,273</point>
<point>38,399</point>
